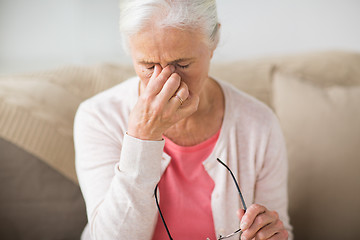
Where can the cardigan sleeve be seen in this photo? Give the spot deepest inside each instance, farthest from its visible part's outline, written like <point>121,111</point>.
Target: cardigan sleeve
<point>271,183</point>
<point>117,178</point>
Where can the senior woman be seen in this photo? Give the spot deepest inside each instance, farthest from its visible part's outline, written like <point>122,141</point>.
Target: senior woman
<point>155,139</point>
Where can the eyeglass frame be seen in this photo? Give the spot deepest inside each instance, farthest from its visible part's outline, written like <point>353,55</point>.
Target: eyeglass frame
<point>220,237</point>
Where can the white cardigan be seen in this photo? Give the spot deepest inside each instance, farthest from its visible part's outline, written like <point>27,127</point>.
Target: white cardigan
<point>118,173</point>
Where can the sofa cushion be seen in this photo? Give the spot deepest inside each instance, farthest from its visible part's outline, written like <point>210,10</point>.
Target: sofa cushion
<point>322,131</point>
<point>37,110</point>
<point>36,202</point>
<point>251,76</point>
<point>328,68</point>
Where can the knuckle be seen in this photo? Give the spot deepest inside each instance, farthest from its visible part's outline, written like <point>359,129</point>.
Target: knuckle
<point>184,86</point>
<point>167,116</point>
<point>285,233</point>
<point>186,95</point>
<point>183,93</point>
<point>276,215</point>
<point>261,220</point>
<point>195,107</point>
<point>280,224</point>
<point>246,235</point>
<point>258,207</point>
<point>165,73</point>
<point>157,109</point>
<point>161,78</point>
<point>260,235</point>
<point>146,98</point>
<point>157,112</point>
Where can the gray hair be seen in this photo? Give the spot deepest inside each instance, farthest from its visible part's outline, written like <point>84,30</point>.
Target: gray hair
<point>183,14</point>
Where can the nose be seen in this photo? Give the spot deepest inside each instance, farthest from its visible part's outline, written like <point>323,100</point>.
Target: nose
<point>163,65</point>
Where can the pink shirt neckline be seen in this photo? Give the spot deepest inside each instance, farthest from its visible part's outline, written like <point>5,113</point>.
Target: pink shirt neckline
<point>175,147</point>
<point>185,192</point>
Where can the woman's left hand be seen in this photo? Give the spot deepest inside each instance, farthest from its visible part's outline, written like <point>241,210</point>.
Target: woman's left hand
<point>260,223</point>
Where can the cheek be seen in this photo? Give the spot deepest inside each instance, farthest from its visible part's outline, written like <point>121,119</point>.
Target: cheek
<point>194,78</point>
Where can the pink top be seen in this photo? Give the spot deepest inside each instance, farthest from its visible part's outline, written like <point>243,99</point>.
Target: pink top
<point>185,193</point>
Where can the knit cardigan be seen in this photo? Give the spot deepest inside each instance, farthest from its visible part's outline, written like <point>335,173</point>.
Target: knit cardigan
<point>118,173</point>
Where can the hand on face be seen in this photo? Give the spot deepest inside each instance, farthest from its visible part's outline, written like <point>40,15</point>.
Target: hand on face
<point>260,223</point>
<point>159,105</point>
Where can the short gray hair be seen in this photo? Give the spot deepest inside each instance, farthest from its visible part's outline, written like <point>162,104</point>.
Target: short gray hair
<point>182,14</point>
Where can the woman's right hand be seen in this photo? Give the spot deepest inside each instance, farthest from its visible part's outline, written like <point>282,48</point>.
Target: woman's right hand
<point>159,106</point>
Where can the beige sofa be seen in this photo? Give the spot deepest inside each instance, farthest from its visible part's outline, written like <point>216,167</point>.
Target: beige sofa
<point>315,95</point>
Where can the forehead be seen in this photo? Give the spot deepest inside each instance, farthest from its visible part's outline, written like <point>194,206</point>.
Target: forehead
<point>167,45</point>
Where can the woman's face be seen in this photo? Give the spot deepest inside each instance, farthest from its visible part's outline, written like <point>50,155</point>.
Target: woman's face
<point>186,50</point>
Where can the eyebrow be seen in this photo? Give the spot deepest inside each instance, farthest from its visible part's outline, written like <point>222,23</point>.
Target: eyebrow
<point>172,62</point>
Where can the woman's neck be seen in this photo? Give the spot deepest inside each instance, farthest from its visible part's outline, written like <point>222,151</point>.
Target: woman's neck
<point>205,122</point>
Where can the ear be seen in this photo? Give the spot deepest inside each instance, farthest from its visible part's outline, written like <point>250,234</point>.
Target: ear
<point>216,40</point>
<point>212,52</point>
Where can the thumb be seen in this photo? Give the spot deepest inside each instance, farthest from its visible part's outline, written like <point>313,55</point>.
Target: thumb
<point>240,213</point>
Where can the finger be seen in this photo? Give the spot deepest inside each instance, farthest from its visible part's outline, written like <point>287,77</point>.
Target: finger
<point>170,87</point>
<point>156,72</point>
<point>262,221</point>
<point>283,234</point>
<point>278,237</point>
<point>188,108</point>
<point>240,213</point>
<point>251,213</point>
<point>274,230</point>
<point>183,91</point>
<point>270,230</point>
<point>158,80</point>
<point>180,96</point>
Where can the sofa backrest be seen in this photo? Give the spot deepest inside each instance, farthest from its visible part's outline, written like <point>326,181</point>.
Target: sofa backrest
<point>37,112</point>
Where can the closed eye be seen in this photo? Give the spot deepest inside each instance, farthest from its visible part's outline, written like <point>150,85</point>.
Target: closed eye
<point>151,67</point>
<point>183,66</point>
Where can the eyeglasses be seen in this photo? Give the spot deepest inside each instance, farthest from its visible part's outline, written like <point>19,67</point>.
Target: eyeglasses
<point>220,237</point>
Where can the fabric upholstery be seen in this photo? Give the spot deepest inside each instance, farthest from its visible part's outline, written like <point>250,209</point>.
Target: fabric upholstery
<point>36,124</point>
<point>323,68</point>
<point>322,130</point>
<point>37,110</point>
<point>36,202</point>
<point>252,77</point>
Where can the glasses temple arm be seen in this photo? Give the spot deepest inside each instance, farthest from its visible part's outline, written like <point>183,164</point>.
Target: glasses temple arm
<point>237,185</point>
<point>162,217</point>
